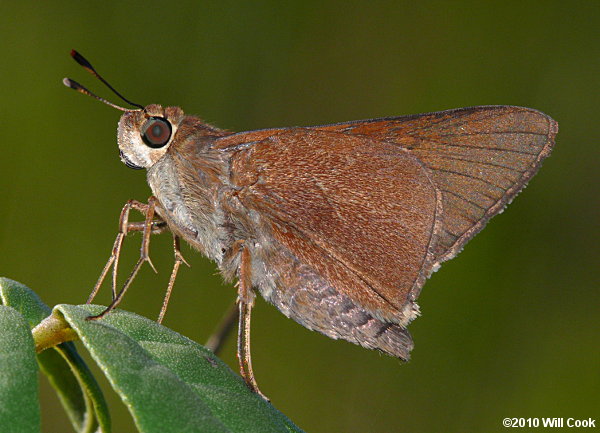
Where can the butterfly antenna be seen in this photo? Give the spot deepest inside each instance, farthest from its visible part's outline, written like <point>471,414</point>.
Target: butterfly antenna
<point>79,88</point>
<point>88,67</point>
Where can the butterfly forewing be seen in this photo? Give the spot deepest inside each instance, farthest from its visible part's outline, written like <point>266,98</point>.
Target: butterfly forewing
<point>359,211</point>
<point>374,205</point>
<point>479,159</point>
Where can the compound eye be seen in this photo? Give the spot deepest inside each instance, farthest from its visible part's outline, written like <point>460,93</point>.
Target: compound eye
<point>156,132</point>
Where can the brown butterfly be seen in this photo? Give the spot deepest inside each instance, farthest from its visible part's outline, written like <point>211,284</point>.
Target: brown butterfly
<point>339,225</point>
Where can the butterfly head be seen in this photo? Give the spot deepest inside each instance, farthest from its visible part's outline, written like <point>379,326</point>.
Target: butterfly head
<point>145,135</point>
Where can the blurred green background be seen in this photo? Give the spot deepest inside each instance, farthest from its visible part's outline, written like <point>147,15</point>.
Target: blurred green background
<point>510,328</point>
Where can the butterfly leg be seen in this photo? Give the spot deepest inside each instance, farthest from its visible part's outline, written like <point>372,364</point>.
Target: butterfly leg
<point>223,329</point>
<point>149,226</point>
<point>216,340</point>
<point>178,261</point>
<point>245,302</point>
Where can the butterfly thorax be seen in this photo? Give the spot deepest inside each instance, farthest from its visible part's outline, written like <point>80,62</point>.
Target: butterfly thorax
<point>190,182</point>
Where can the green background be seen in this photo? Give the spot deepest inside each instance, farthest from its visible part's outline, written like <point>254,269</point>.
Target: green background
<point>510,328</point>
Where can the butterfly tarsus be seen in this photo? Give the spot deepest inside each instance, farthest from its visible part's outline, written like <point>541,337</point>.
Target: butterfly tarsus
<point>179,259</point>
<point>245,303</point>
<point>148,227</point>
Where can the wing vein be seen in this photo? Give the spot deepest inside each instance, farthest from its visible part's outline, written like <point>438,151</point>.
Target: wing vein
<point>470,177</point>
<point>469,134</point>
<point>444,143</point>
<point>456,158</point>
<point>460,197</point>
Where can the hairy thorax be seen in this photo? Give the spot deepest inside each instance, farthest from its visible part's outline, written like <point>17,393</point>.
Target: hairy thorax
<point>190,204</point>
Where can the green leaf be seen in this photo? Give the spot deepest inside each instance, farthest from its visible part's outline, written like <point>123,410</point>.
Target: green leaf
<point>168,382</point>
<point>24,300</point>
<point>19,393</point>
<point>77,389</point>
